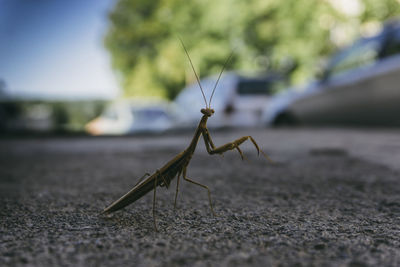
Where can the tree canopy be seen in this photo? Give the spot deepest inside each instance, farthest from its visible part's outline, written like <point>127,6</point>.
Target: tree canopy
<point>143,37</point>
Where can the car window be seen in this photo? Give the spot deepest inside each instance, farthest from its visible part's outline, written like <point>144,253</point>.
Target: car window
<point>393,45</point>
<point>259,87</point>
<point>111,113</point>
<point>363,53</point>
<point>253,87</point>
<point>147,115</point>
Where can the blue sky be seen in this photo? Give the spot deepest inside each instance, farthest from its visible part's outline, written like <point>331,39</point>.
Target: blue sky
<point>54,49</point>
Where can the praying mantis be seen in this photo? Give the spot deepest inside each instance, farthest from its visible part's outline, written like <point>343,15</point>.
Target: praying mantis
<point>177,166</point>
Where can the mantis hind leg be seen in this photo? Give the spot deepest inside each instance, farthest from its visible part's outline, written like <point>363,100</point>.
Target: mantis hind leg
<point>177,188</point>
<point>204,186</point>
<point>154,204</point>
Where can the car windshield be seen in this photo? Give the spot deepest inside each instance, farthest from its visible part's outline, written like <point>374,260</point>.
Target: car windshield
<point>259,87</point>
<point>393,46</point>
<point>363,53</point>
<point>110,113</point>
<point>146,115</point>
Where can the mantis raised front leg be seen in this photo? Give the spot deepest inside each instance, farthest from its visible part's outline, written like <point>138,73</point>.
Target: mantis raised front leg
<point>211,149</point>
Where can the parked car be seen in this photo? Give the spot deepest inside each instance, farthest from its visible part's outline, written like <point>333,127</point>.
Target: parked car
<point>237,101</point>
<point>361,85</point>
<point>131,117</point>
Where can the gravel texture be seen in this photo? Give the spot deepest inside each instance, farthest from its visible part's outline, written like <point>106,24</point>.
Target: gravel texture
<point>332,198</point>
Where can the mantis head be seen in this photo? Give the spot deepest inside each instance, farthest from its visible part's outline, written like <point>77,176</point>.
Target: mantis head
<point>207,111</point>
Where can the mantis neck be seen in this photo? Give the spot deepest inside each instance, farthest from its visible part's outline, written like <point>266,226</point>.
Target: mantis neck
<point>196,137</point>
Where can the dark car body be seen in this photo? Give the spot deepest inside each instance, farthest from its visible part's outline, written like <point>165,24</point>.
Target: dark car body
<point>360,86</point>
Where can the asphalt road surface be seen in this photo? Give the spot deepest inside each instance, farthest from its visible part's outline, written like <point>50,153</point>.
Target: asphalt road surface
<point>332,198</point>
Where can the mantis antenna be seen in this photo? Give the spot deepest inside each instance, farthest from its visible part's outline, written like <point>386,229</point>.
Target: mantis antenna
<point>223,68</point>
<point>197,77</point>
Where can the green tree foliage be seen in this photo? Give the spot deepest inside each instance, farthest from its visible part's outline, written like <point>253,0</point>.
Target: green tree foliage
<point>147,55</point>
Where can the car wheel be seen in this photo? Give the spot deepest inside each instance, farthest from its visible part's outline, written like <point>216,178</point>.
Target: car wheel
<point>285,119</point>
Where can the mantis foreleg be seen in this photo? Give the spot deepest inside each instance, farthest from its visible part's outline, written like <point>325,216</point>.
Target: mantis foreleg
<point>211,149</point>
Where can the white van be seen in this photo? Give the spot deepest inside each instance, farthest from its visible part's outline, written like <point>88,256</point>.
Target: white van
<point>238,100</point>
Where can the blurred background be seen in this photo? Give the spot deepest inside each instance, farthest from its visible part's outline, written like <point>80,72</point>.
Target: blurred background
<point>114,67</point>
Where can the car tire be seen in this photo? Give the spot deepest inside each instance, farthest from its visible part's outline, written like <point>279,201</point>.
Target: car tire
<point>285,119</point>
